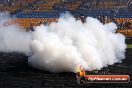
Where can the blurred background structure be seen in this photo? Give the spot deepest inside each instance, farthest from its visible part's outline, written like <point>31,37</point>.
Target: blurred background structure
<point>35,12</point>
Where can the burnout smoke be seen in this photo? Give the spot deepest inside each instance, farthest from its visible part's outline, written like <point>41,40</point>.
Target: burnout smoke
<point>64,45</point>
<point>13,38</point>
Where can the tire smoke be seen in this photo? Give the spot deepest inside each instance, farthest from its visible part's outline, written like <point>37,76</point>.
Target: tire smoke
<point>13,38</point>
<point>64,45</point>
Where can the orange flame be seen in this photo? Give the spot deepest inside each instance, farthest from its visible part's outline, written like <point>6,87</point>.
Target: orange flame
<point>81,71</point>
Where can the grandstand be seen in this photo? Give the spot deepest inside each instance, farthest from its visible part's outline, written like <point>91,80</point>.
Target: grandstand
<point>14,69</point>
<point>36,12</point>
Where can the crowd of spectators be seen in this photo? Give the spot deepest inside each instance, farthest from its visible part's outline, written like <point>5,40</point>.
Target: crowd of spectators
<point>118,11</point>
<point>66,5</point>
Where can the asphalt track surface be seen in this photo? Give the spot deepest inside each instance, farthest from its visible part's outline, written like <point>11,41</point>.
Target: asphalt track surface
<point>15,73</point>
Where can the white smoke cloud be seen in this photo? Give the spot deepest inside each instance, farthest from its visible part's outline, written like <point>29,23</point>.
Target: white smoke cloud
<point>64,45</point>
<point>13,38</point>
